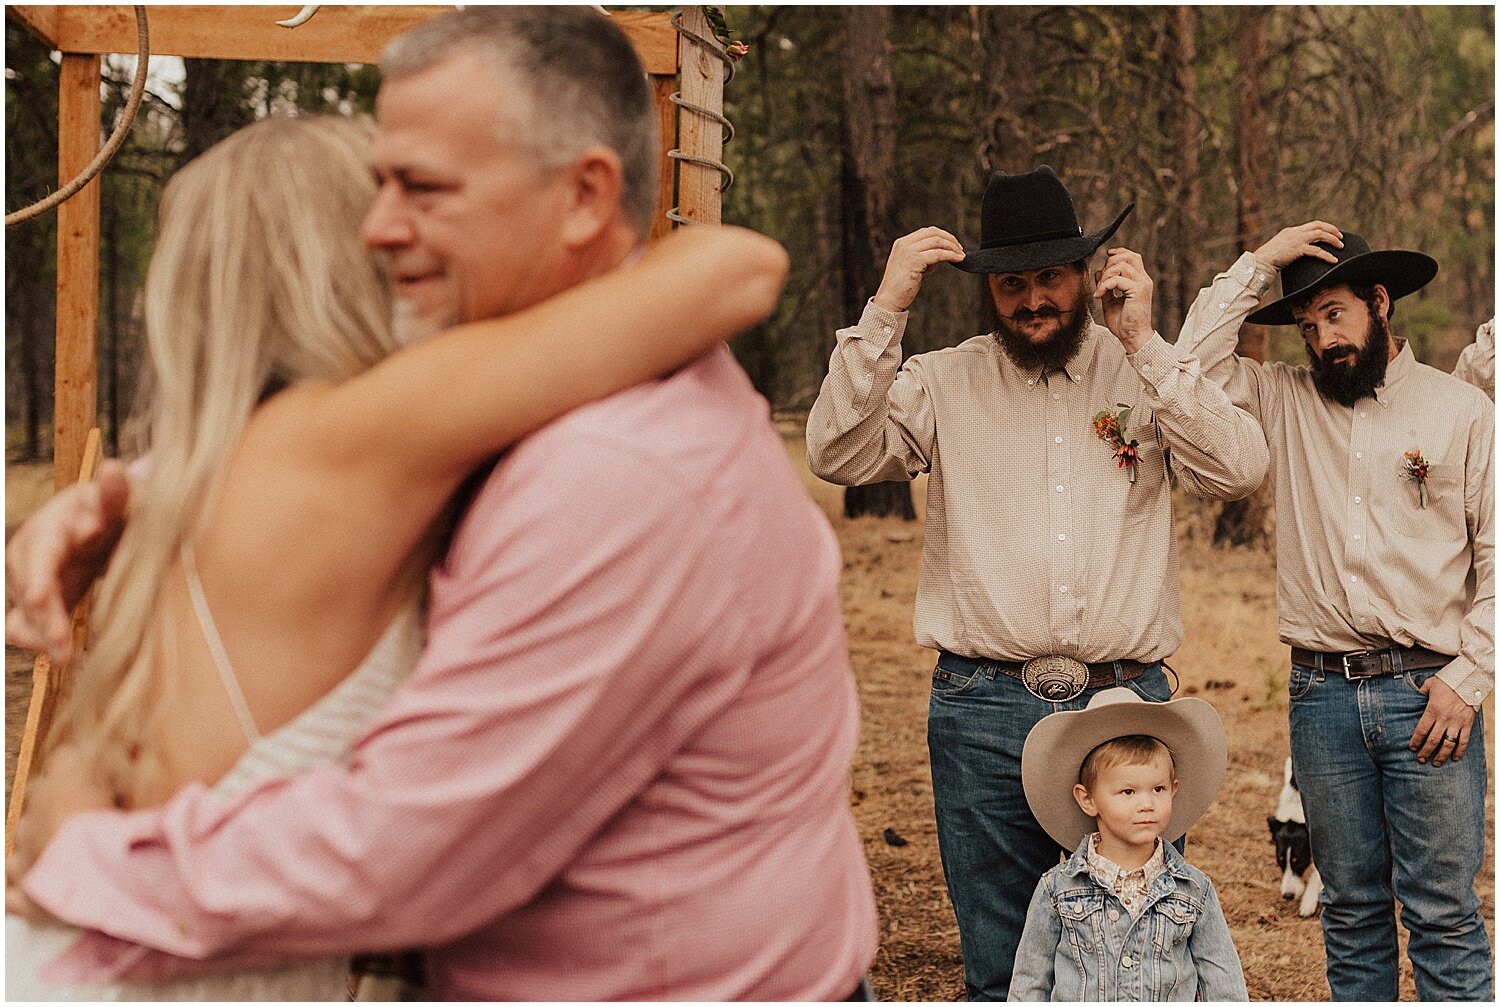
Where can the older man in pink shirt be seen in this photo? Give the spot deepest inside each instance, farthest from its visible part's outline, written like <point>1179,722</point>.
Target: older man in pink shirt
<point>620,769</point>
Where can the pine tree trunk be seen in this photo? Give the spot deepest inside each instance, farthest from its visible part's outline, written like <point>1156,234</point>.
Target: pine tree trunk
<point>1243,522</point>
<point>867,184</point>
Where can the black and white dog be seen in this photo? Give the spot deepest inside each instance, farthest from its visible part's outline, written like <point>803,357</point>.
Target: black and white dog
<point>1293,850</point>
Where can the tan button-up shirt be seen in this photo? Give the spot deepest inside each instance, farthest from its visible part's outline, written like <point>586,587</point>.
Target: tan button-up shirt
<point>1359,562</point>
<point>1036,542</point>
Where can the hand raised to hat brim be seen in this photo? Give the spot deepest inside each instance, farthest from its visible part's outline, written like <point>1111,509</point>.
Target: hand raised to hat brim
<point>912,257</point>
<point>1447,716</point>
<point>1292,243</point>
<point>1124,288</point>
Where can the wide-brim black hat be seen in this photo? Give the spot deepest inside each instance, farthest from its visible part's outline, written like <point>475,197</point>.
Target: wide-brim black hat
<point>1399,271</point>
<point>1028,222</point>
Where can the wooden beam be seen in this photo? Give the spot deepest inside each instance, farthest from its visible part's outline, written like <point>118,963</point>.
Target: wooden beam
<point>662,86</point>
<point>39,20</point>
<point>336,34</point>
<point>49,685</point>
<point>76,383</point>
<point>702,83</point>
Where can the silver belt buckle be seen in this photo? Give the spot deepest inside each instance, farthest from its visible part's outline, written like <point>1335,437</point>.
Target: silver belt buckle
<point>1054,678</point>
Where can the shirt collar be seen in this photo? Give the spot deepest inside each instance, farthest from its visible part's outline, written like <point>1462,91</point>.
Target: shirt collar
<point>1109,871</point>
<point>1076,369</point>
<point>1396,372</point>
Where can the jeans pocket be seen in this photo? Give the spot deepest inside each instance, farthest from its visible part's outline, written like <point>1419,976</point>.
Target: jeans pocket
<point>1416,679</point>
<point>1299,681</point>
<point>1151,685</point>
<point>947,682</point>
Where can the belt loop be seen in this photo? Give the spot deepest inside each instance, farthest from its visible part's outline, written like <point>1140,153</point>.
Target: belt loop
<point>1119,673</point>
<point>1395,653</point>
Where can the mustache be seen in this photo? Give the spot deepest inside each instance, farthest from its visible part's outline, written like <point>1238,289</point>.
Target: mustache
<point>1340,352</point>
<point>1026,314</point>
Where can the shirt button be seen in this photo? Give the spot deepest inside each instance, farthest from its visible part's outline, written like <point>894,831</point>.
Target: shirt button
<point>1363,414</point>
<point>1059,489</point>
<point>1057,440</point>
<point>1353,579</point>
<point>1223,305</point>
<point>1359,454</point>
<point>1056,397</point>
<point>1356,499</point>
<point>1063,589</point>
<point>1114,914</point>
<point>887,330</point>
<point>1061,537</point>
<point>1356,536</point>
<point>1127,961</point>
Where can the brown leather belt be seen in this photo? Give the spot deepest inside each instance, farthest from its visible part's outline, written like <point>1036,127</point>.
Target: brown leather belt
<point>1100,674</point>
<point>1375,663</point>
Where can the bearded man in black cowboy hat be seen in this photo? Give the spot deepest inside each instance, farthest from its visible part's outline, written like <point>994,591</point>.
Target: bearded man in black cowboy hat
<point>1049,566</point>
<point>1385,558</point>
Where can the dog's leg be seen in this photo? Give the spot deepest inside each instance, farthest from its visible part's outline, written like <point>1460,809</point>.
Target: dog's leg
<point>1309,904</point>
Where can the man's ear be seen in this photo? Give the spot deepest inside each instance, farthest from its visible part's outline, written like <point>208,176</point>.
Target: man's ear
<point>594,181</point>
<point>1382,301</point>
<point>1085,802</point>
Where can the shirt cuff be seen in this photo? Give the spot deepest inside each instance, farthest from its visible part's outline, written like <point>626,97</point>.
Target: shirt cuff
<point>1154,360</point>
<point>1471,682</point>
<point>880,326</point>
<point>1256,275</point>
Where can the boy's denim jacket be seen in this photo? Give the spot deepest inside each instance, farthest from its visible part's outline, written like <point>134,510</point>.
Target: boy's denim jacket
<point>1081,944</point>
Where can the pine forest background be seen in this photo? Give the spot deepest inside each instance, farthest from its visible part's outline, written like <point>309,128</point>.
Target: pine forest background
<point>855,125</point>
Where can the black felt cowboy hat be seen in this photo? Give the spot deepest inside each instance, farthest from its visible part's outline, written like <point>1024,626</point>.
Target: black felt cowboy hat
<point>1028,222</point>
<point>1399,271</point>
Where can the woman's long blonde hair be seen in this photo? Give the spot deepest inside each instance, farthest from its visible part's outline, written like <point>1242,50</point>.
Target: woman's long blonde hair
<point>258,280</point>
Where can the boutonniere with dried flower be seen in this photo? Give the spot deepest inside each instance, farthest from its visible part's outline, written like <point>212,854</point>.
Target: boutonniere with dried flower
<point>1414,467</point>
<point>1112,428</point>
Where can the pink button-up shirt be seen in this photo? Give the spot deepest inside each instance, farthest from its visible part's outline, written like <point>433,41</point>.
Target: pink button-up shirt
<point>620,770</point>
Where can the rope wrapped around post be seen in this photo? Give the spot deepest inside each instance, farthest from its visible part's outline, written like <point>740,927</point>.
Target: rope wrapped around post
<point>712,47</point>
<point>116,138</point>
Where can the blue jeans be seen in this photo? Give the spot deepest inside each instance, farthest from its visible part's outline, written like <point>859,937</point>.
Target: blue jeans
<point>993,850</point>
<point>1386,827</point>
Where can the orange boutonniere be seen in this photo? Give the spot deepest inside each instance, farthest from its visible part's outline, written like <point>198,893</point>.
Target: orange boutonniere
<point>1113,429</point>
<point>1414,467</point>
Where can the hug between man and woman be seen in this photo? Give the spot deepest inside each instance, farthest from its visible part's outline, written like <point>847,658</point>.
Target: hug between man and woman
<point>466,600</point>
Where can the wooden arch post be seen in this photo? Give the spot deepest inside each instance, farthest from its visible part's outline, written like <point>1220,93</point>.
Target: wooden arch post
<point>336,34</point>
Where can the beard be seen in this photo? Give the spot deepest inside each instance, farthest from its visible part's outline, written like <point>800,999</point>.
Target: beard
<point>1053,352</point>
<point>1345,383</point>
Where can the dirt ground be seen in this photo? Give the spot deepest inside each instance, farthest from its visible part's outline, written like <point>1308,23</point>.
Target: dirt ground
<point>1231,657</point>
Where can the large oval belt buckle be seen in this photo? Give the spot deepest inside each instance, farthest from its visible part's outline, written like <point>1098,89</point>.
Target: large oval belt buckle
<point>1054,678</point>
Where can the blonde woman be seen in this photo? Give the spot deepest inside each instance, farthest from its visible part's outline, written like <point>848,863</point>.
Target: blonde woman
<point>301,465</point>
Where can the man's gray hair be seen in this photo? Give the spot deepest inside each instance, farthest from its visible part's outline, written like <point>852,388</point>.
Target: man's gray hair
<point>577,81</point>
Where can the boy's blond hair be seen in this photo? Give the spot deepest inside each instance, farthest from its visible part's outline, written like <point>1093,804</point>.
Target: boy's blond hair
<point>1126,750</point>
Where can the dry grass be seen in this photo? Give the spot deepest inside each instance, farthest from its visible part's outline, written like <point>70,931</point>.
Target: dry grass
<point>1231,656</point>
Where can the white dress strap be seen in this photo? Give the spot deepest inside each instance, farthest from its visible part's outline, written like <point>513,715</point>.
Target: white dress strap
<point>216,645</point>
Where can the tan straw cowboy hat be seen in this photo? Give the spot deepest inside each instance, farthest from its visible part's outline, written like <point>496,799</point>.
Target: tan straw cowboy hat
<point>1057,745</point>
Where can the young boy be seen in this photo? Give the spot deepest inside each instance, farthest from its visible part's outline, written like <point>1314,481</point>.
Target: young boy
<point>1125,918</point>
